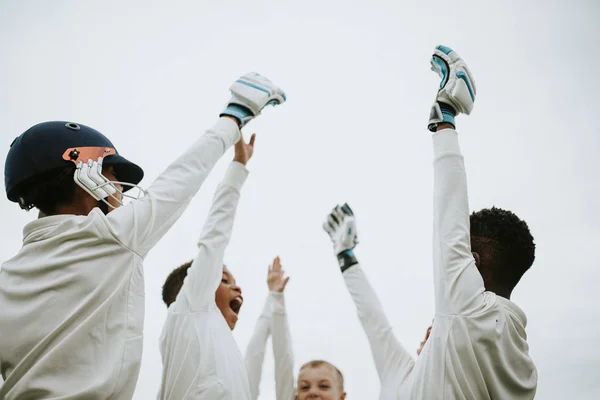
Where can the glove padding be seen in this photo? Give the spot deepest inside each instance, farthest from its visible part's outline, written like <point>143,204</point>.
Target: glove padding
<point>250,94</point>
<point>457,87</point>
<point>341,227</point>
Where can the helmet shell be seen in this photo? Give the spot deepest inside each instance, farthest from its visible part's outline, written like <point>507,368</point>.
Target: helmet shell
<point>40,149</point>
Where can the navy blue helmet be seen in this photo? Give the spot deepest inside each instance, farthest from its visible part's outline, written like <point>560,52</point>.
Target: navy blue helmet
<point>52,145</point>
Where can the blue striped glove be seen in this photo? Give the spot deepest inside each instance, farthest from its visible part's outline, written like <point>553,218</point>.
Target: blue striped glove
<point>250,94</point>
<point>457,91</point>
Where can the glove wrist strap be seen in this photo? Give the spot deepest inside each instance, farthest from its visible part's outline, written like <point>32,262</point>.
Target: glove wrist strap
<point>241,113</point>
<point>347,259</point>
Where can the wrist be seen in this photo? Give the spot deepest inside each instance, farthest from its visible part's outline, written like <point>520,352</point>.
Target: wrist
<point>444,125</point>
<point>234,119</point>
<point>346,259</point>
<point>240,160</point>
<point>238,113</point>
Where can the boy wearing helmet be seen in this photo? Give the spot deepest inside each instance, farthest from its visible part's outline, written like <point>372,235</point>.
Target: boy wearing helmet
<point>72,299</point>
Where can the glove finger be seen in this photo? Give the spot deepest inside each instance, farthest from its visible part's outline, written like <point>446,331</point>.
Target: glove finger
<point>335,218</point>
<point>328,228</point>
<point>339,214</point>
<point>333,221</point>
<point>346,208</point>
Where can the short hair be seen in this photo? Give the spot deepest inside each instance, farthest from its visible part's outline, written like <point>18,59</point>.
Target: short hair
<point>174,282</point>
<point>504,244</point>
<point>318,363</point>
<point>48,190</point>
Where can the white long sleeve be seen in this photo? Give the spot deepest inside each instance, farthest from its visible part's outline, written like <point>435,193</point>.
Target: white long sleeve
<point>458,284</point>
<point>204,275</point>
<point>282,349</point>
<point>201,359</point>
<point>255,351</point>
<point>273,319</point>
<point>140,224</point>
<point>392,361</point>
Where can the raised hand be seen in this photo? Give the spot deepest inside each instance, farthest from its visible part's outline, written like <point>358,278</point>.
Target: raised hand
<point>275,279</point>
<point>243,150</point>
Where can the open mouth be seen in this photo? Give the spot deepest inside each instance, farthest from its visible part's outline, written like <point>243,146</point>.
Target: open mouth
<point>236,304</point>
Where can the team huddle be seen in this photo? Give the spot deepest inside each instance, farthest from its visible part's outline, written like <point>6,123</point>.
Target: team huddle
<point>72,298</point>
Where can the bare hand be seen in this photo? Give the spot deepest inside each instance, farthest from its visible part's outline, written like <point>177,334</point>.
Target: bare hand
<point>275,279</point>
<point>243,150</point>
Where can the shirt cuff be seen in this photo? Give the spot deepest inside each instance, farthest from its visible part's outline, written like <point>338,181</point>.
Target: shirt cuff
<point>236,175</point>
<point>445,142</point>
<point>277,303</point>
<point>229,129</point>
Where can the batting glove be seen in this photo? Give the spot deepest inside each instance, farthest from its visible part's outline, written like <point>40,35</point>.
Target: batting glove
<point>457,88</point>
<point>250,94</point>
<point>341,227</point>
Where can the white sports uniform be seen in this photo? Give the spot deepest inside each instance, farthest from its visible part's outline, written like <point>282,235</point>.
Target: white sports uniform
<point>201,359</point>
<point>273,319</point>
<point>392,361</point>
<point>72,299</point>
<point>477,349</point>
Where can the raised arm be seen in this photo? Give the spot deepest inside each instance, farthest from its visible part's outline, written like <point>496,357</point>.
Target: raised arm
<point>140,224</point>
<point>143,222</point>
<point>392,361</point>
<point>282,338</point>
<point>205,273</point>
<point>458,284</point>
<point>255,352</point>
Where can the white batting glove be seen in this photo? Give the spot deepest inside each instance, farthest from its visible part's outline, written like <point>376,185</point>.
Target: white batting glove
<point>250,94</point>
<point>341,227</point>
<point>457,88</point>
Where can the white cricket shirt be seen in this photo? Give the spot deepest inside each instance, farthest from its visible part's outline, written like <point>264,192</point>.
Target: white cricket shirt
<point>478,346</point>
<point>201,359</point>
<point>72,299</point>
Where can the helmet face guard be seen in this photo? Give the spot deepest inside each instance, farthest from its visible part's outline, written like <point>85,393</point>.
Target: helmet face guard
<point>88,175</point>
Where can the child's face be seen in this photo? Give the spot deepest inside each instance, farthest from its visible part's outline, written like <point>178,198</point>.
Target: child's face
<point>229,298</point>
<point>319,383</point>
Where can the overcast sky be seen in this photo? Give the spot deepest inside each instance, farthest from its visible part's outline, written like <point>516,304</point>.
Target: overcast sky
<point>153,75</point>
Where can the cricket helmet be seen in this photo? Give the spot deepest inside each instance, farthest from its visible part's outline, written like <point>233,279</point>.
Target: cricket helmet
<point>51,145</point>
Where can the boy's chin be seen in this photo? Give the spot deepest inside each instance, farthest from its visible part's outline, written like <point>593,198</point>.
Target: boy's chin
<point>232,319</point>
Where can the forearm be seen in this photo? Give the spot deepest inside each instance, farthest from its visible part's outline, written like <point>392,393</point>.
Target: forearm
<point>141,223</point>
<point>282,349</point>
<point>255,352</point>
<point>205,273</point>
<point>390,357</point>
<point>458,284</point>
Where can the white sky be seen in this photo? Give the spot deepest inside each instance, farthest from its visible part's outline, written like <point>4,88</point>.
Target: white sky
<point>154,75</point>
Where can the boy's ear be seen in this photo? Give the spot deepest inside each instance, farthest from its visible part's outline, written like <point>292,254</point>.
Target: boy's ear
<point>343,396</point>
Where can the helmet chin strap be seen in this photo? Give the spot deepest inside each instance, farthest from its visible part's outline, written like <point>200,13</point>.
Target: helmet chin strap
<point>103,207</point>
